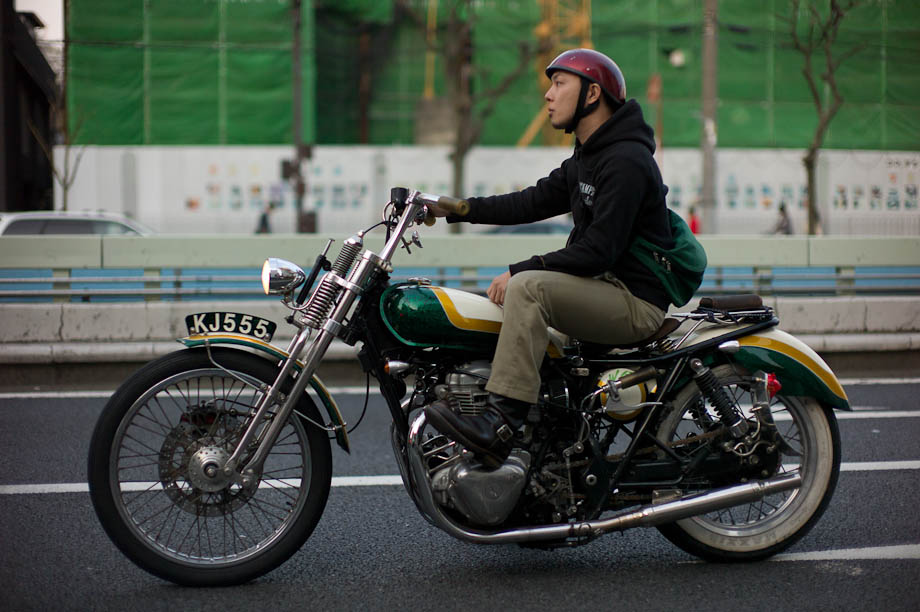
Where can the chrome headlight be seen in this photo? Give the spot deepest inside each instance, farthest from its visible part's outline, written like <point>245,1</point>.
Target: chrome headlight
<point>280,276</point>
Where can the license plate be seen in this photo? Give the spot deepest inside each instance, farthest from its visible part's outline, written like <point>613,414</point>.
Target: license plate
<point>230,323</point>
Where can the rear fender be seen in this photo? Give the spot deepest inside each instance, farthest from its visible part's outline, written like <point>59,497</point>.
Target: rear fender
<point>800,370</point>
<point>273,353</point>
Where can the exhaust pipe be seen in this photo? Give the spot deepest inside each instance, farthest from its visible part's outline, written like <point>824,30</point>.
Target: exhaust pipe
<point>651,516</point>
<point>646,516</point>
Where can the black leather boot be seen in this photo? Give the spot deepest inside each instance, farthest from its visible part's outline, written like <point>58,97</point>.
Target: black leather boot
<point>487,435</point>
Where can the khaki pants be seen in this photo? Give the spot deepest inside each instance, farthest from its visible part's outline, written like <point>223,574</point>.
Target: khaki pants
<point>590,309</point>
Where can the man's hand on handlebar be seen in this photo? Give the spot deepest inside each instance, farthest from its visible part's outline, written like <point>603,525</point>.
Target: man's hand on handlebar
<point>436,211</point>
<point>441,206</point>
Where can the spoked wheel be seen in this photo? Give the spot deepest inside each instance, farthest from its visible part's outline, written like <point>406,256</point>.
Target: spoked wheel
<point>156,480</point>
<point>808,443</point>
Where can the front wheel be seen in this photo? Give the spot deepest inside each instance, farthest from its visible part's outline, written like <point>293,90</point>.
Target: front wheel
<point>152,478</point>
<point>810,445</point>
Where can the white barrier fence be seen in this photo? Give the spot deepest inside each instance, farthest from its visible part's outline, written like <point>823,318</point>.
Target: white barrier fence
<point>67,331</point>
<point>216,190</point>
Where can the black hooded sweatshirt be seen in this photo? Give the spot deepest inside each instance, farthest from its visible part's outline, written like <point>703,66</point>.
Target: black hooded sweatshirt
<point>613,188</point>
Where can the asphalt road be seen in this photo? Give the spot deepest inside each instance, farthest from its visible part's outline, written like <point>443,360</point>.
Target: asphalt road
<point>373,551</point>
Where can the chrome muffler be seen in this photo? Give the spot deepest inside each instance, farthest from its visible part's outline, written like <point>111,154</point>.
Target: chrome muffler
<point>646,516</point>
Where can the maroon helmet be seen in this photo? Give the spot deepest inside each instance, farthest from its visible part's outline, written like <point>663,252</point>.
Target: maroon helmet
<point>594,66</point>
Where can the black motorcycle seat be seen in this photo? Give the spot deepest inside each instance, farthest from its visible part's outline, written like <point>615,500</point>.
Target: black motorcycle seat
<point>732,303</point>
<point>666,328</point>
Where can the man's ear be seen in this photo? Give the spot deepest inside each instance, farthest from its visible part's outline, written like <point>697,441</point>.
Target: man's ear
<point>594,93</point>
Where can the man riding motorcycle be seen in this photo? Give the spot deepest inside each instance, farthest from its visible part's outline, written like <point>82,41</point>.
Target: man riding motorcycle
<point>593,288</point>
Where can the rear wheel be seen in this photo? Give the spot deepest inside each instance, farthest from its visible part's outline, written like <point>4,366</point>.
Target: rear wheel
<point>155,478</point>
<point>749,532</point>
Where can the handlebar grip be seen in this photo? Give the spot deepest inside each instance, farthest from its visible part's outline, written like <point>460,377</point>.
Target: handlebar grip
<point>454,206</point>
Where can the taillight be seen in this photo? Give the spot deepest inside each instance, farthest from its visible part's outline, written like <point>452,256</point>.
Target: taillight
<point>773,385</point>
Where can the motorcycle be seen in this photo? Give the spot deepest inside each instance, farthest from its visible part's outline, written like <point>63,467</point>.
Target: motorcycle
<point>212,465</point>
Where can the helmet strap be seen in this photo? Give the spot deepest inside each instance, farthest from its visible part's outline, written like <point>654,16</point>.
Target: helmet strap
<point>580,109</point>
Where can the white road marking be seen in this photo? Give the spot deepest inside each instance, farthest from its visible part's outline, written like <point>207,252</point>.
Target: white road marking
<point>82,487</point>
<point>30,489</point>
<point>878,466</point>
<point>378,481</point>
<point>347,390</point>
<point>875,553</point>
<point>366,481</point>
<point>879,381</point>
<point>859,412</point>
<point>863,413</point>
<point>55,394</point>
<point>360,389</point>
<point>905,551</point>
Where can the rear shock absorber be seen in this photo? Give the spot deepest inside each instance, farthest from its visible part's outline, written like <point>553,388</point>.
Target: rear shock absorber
<point>709,385</point>
<point>321,302</point>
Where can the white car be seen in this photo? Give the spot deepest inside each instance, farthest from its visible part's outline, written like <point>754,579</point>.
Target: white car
<point>69,222</point>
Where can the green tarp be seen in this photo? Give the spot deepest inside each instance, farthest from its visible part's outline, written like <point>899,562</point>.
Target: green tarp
<point>173,72</point>
<point>219,71</point>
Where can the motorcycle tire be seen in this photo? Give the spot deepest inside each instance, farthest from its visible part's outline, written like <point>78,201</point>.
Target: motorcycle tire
<point>155,439</point>
<point>755,531</point>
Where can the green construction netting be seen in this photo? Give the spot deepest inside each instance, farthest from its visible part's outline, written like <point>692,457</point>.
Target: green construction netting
<point>174,72</point>
<point>498,32</point>
<point>338,72</point>
<point>397,85</point>
<point>219,71</point>
<point>764,101</point>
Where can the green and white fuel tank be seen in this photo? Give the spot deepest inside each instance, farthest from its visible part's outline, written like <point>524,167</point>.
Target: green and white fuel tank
<point>428,316</point>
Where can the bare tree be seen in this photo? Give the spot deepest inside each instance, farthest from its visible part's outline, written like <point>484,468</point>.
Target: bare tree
<point>66,173</point>
<point>816,37</point>
<point>456,48</point>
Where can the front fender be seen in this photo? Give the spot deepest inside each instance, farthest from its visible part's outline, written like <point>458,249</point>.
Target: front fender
<point>277,354</point>
<point>799,369</point>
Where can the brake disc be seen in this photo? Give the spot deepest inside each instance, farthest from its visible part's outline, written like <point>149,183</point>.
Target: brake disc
<point>191,461</point>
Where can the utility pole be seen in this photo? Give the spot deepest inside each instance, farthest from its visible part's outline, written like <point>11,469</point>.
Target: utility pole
<point>708,137</point>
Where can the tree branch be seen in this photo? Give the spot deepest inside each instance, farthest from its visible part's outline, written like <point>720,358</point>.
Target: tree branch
<point>794,26</point>
<point>419,22</point>
<point>525,53</point>
<point>822,33</point>
<point>49,155</point>
<point>814,20</point>
<point>810,80</point>
<point>66,177</point>
<point>493,94</point>
<point>76,166</point>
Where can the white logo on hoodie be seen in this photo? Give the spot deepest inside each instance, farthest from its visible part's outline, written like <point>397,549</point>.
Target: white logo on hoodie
<point>587,193</point>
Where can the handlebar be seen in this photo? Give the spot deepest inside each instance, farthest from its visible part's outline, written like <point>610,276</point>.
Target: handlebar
<point>454,206</point>
<point>400,196</point>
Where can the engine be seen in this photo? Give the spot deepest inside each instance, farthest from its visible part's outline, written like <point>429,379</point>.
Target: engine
<point>465,387</point>
<point>485,497</point>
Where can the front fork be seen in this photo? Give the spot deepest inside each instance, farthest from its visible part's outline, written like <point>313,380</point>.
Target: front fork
<point>349,289</point>
<point>312,356</point>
